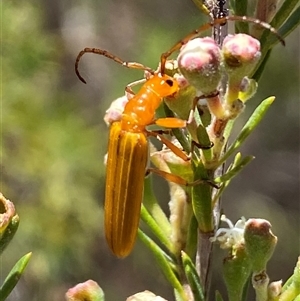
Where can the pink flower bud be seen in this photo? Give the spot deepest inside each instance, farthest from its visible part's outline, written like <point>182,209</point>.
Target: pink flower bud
<point>241,50</point>
<point>260,242</point>
<point>200,63</point>
<point>86,291</point>
<point>115,111</point>
<point>145,296</point>
<point>241,53</point>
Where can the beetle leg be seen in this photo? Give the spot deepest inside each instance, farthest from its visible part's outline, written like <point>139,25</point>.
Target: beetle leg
<point>176,150</point>
<point>128,89</point>
<point>178,180</point>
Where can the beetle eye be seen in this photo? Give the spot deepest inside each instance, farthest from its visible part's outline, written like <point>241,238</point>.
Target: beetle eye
<point>169,82</point>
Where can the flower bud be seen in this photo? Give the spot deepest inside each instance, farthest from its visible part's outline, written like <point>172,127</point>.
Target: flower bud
<point>199,62</point>
<point>86,291</point>
<point>115,111</point>
<point>145,296</point>
<point>241,53</point>
<point>260,242</point>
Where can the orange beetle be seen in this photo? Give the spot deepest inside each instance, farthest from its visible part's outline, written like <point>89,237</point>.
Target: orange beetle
<point>128,155</point>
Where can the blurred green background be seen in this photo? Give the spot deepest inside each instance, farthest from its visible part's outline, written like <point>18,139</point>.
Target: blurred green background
<point>54,140</point>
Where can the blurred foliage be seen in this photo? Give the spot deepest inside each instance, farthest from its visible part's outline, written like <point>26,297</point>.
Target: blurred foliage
<point>54,140</point>
<point>46,146</point>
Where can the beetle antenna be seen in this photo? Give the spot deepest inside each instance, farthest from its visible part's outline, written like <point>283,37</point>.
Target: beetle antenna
<point>132,65</point>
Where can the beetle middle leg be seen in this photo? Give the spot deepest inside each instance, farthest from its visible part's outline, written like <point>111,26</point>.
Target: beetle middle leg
<point>178,180</point>
<point>128,89</point>
<point>176,150</point>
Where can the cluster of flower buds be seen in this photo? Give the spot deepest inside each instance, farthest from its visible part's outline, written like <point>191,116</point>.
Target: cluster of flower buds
<point>205,65</point>
<point>216,78</point>
<point>219,74</point>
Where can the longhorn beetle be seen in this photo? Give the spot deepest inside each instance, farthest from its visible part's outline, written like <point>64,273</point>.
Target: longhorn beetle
<point>128,155</point>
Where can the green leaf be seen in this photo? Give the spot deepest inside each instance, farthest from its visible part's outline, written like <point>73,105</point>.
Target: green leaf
<point>240,165</point>
<point>228,129</point>
<point>290,25</point>
<point>201,198</point>
<point>192,238</point>
<point>178,297</point>
<point>267,39</point>
<point>13,277</point>
<point>153,207</point>
<point>232,6</point>
<point>285,10</point>
<point>241,8</point>
<point>155,227</point>
<point>291,289</point>
<point>192,277</point>
<point>165,262</point>
<point>248,128</point>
